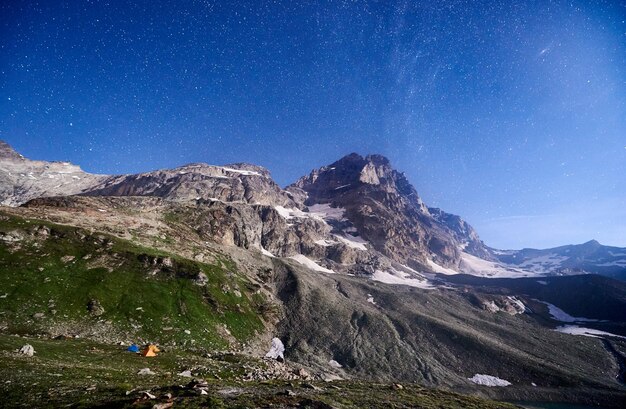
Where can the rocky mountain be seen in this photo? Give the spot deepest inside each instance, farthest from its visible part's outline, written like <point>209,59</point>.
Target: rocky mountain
<point>385,209</point>
<point>348,267</point>
<point>357,216</point>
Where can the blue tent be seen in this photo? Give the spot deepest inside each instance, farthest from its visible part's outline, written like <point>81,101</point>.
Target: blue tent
<point>133,348</point>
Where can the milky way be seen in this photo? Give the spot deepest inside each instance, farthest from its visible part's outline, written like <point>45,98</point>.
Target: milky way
<point>511,114</point>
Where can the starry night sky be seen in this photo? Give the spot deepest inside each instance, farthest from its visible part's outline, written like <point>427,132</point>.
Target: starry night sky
<point>509,113</point>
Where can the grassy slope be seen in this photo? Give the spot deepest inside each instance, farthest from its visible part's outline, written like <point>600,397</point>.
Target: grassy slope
<point>56,270</point>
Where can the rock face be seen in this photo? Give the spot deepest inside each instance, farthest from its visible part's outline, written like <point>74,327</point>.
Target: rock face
<point>385,209</point>
<point>22,179</point>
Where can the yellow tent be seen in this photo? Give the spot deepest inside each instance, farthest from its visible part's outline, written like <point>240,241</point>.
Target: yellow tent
<point>150,350</point>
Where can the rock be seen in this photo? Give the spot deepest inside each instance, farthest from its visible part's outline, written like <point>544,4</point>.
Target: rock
<point>38,315</point>
<point>197,383</point>
<point>331,378</point>
<point>286,392</point>
<point>202,279</point>
<point>397,386</point>
<point>187,332</point>
<point>148,395</point>
<point>335,364</point>
<point>276,350</point>
<point>164,405</point>
<point>27,350</point>
<point>303,373</point>
<point>94,308</point>
<point>310,386</point>
<point>146,371</point>
<point>67,259</point>
<point>186,374</point>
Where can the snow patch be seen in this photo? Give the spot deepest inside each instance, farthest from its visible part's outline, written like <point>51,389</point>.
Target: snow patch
<point>544,263</point>
<point>354,242</point>
<point>399,278</point>
<point>239,171</point>
<point>488,380</point>
<point>277,349</point>
<point>519,303</point>
<point>586,332</point>
<point>289,213</point>
<point>334,364</point>
<point>370,299</point>
<point>616,263</point>
<point>307,262</point>
<point>440,269</point>
<point>560,315</point>
<point>284,212</point>
<point>267,253</point>
<point>326,212</point>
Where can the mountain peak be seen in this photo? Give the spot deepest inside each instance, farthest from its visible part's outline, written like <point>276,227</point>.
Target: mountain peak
<point>378,160</point>
<point>7,152</point>
<point>375,159</point>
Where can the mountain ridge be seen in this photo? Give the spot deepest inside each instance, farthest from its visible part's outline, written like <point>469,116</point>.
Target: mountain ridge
<point>362,203</point>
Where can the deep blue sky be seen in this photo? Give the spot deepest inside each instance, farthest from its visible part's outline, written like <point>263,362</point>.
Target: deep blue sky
<point>511,114</point>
